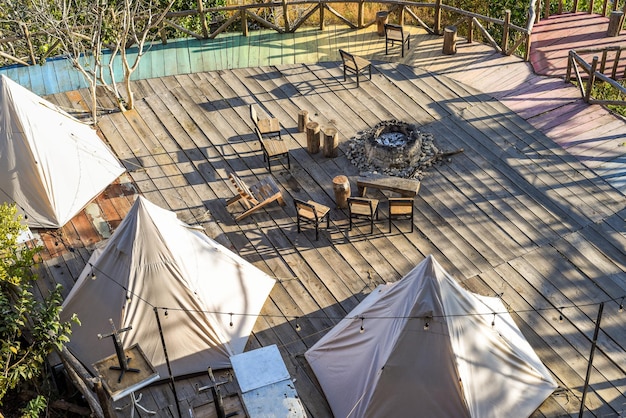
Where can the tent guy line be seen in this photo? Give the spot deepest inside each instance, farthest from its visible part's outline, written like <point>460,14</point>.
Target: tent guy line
<point>559,309</point>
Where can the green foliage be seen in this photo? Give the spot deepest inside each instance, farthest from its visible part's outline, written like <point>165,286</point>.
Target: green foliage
<point>604,91</point>
<point>29,329</point>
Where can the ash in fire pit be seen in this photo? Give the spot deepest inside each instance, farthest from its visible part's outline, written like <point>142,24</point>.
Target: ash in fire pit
<point>393,148</point>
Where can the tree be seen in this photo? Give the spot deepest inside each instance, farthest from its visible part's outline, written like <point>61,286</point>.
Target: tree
<point>29,329</point>
<point>95,35</point>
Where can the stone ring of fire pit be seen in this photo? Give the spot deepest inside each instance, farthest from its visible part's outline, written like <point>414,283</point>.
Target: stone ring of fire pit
<point>394,148</point>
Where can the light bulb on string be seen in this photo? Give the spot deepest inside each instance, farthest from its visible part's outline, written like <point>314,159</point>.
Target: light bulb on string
<point>560,315</point>
<point>621,305</point>
<point>93,273</point>
<point>493,321</point>
<point>298,327</point>
<point>166,313</point>
<point>362,329</point>
<point>231,319</point>
<point>426,325</point>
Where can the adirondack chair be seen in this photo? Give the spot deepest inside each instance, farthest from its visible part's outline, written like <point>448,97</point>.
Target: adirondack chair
<point>256,196</point>
<point>395,33</point>
<point>355,65</point>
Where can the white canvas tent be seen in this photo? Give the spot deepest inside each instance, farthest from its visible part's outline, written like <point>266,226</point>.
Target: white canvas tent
<point>457,366</point>
<point>51,164</point>
<point>155,260</point>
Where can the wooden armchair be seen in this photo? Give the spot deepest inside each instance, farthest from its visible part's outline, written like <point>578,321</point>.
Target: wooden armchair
<point>362,207</point>
<point>273,149</point>
<point>401,208</point>
<point>267,127</point>
<point>256,196</point>
<point>395,33</point>
<point>312,212</point>
<point>355,65</point>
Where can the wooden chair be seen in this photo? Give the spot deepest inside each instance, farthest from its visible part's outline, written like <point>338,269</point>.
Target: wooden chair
<point>362,207</point>
<point>401,208</point>
<point>268,127</point>
<point>312,212</point>
<point>256,196</point>
<point>395,33</point>
<point>273,149</point>
<point>355,65</point>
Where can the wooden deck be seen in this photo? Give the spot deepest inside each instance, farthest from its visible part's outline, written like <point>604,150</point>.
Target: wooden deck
<point>519,213</point>
<point>514,214</point>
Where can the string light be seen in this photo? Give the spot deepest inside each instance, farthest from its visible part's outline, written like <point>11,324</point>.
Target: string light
<point>362,330</point>
<point>231,319</point>
<point>560,315</point>
<point>165,313</point>
<point>426,325</point>
<point>493,321</point>
<point>621,305</point>
<point>93,273</point>
<point>298,328</point>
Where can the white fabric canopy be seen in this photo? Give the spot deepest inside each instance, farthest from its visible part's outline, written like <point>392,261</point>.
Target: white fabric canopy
<point>457,366</point>
<point>155,260</point>
<point>51,164</point>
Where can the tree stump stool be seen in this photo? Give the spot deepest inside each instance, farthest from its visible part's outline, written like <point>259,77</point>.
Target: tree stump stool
<point>331,142</point>
<point>303,119</point>
<point>341,187</point>
<point>449,40</point>
<point>313,137</point>
<point>382,18</point>
<point>615,23</point>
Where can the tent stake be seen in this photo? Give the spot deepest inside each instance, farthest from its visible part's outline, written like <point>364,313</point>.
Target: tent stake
<point>167,361</point>
<point>593,349</point>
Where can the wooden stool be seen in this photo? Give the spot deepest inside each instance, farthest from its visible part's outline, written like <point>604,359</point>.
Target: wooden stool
<point>449,40</point>
<point>341,187</point>
<point>331,142</point>
<point>382,17</point>
<point>313,137</point>
<point>303,120</point>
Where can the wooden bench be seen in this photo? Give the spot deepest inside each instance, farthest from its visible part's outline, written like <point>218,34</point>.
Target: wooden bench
<point>256,196</point>
<point>355,65</point>
<point>404,187</point>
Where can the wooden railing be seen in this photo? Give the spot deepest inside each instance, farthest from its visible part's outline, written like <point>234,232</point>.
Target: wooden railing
<point>216,20</point>
<point>586,74</point>
<point>561,7</point>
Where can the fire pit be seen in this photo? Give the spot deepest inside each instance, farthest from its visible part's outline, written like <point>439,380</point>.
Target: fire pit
<point>393,148</point>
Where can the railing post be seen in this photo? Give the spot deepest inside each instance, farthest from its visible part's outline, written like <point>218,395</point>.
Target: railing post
<point>244,22</point>
<point>546,9</point>
<point>590,7</point>
<point>286,16</point>
<point>505,31</point>
<point>322,9</point>
<point>527,51</point>
<point>401,15</point>
<point>592,79</point>
<point>570,63</point>
<point>361,18</point>
<point>437,17</point>
<point>205,27</point>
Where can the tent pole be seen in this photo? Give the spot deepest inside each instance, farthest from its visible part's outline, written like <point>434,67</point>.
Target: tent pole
<point>167,360</point>
<point>593,349</point>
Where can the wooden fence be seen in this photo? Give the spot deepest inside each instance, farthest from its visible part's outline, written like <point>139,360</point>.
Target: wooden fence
<point>284,17</point>
<point>606,66</point>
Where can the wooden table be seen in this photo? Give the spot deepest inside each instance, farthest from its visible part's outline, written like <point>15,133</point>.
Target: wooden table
<point>405,187</point>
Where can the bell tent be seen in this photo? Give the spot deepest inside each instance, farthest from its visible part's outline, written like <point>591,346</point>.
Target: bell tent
<point>51,164</point>
<point>153,260</point>
<point>424,344</point>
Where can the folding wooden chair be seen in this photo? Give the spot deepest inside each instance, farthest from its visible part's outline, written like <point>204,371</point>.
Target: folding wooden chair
<point>355,65</point>
<point>267,127</point>
<point>401,208</point>
<point>363,207</point>
<point>312,212</point>
<point>395,33</point>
